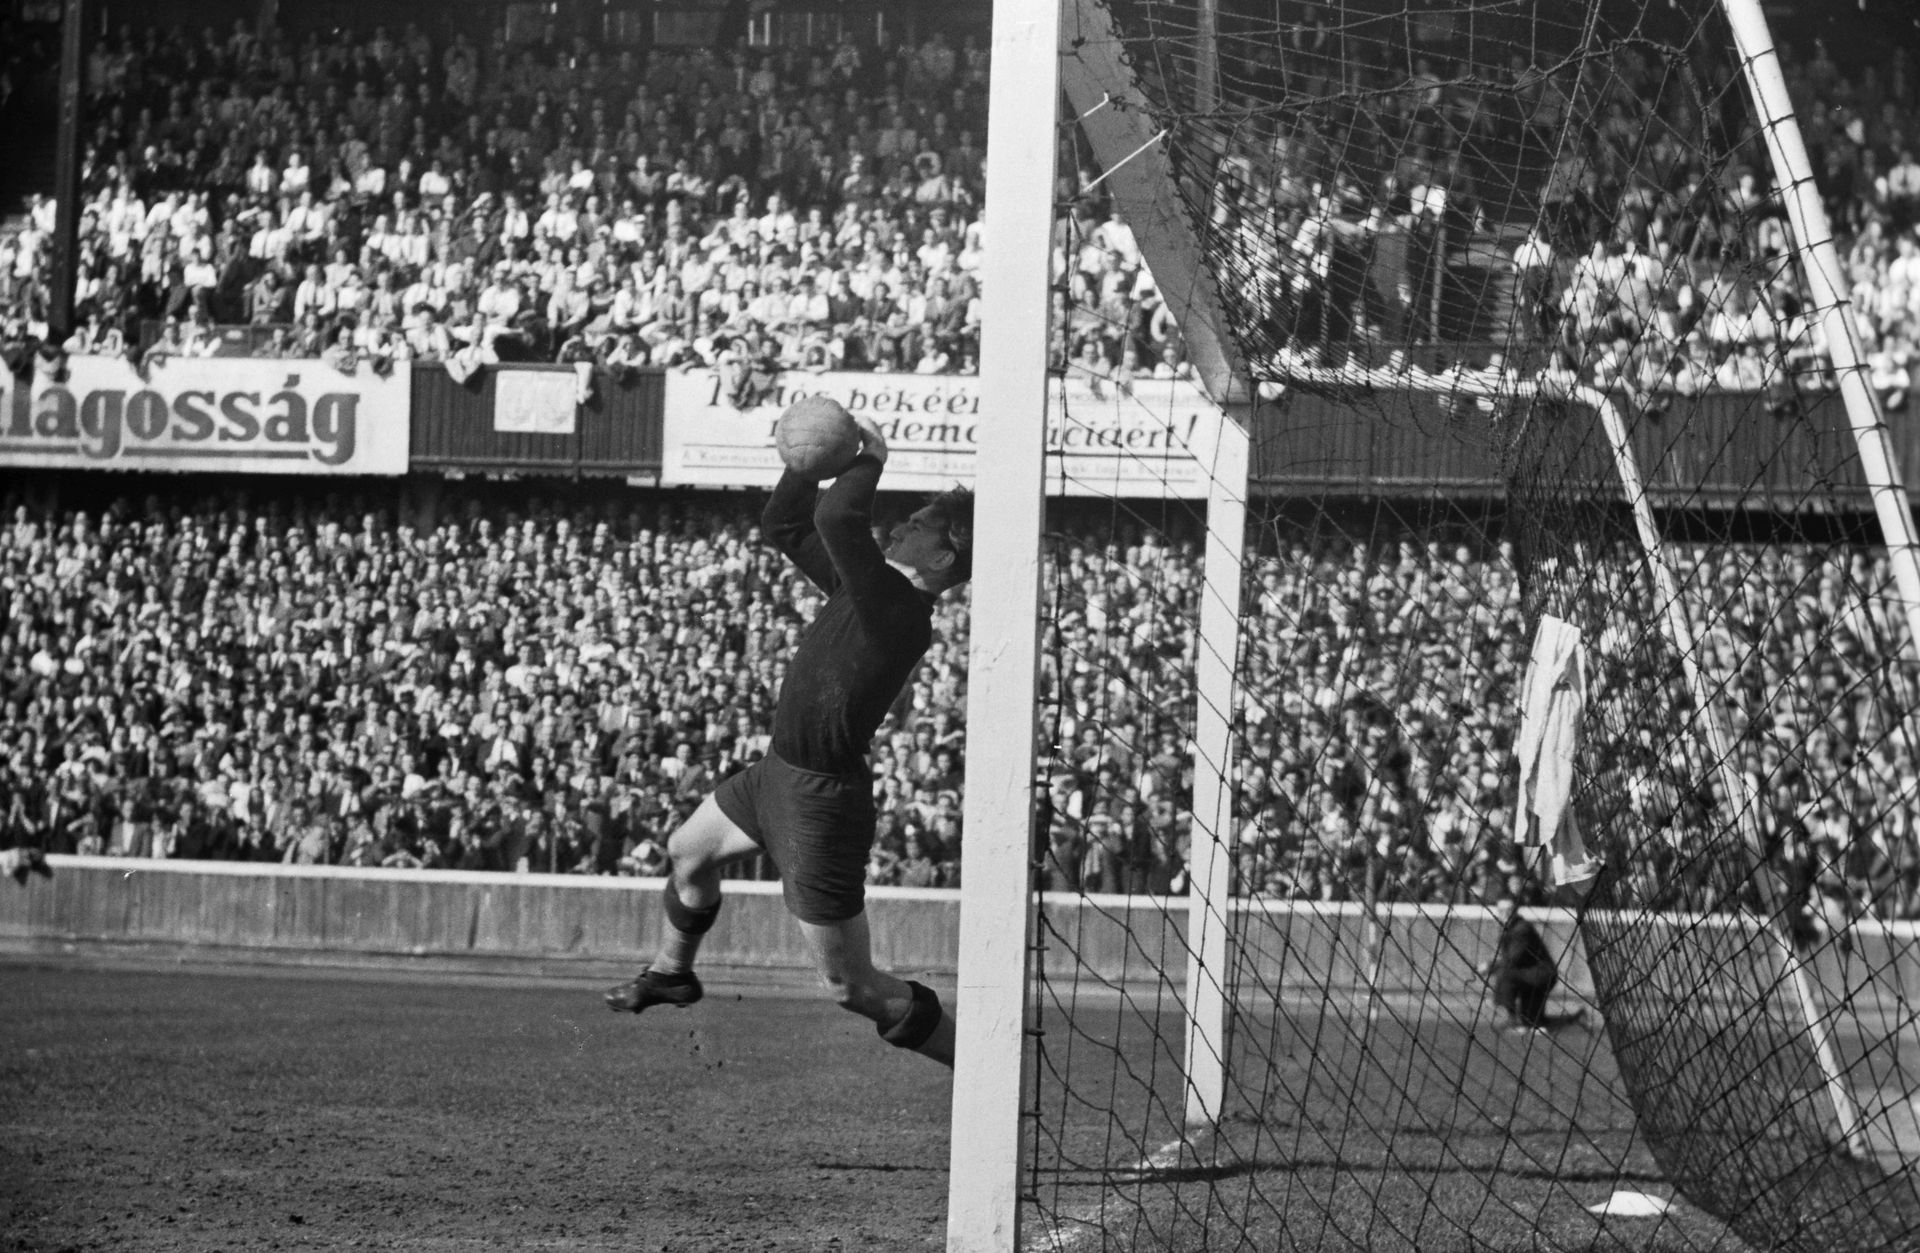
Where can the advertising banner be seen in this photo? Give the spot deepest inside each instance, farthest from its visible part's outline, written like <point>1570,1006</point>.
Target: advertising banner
<point>1103,439</point>
<point>226,415</point>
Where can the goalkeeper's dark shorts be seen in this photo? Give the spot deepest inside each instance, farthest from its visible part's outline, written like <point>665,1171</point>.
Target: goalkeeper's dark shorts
<point>817,829</point>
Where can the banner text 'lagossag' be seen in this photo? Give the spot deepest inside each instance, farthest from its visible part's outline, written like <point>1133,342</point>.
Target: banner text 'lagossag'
<point>218,414</point>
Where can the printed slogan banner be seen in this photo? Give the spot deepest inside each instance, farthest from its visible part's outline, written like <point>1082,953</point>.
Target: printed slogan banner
<point>1108,440</point>
<point>221,414</point>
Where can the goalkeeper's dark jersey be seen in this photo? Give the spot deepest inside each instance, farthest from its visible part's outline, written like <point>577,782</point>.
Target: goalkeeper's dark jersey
<point>871,633</point>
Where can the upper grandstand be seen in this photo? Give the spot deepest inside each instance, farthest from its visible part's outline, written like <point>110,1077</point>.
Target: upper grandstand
<point>532,191</point>
<point>1535,188</point>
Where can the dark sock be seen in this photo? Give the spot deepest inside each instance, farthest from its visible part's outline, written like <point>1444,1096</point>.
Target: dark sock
<point>677,951</point>
<point>681,934</point>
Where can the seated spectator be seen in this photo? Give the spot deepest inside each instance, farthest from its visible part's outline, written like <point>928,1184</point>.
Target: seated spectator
<point>376,182</point>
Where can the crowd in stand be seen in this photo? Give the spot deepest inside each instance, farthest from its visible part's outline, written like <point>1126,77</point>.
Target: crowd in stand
<point>1431,206</point>
<point>385,197</point>
<point>388,198</point>
<point>543,684</point>
<point>542,687</point>
<point>1378,714</point>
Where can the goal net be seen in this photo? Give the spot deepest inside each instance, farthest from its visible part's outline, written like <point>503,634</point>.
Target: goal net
<point>1558,573</point>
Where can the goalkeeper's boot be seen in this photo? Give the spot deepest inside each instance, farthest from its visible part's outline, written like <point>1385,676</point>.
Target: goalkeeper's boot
<point>652,988</point>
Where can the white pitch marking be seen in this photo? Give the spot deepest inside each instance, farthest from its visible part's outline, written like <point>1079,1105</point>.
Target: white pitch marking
<point>1083,1227</point>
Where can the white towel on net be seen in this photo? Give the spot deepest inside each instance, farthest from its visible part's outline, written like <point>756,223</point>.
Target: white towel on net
<point>1555,697</point>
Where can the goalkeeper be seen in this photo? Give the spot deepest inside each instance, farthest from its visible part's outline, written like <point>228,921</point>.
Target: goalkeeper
<point>808,805</point>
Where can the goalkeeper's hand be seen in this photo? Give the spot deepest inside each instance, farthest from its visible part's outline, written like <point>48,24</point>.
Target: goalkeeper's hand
<point>872,442</point>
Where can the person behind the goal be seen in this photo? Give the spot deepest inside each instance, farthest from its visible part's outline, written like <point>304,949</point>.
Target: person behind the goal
<point>1523,972</point>
<point>18,863</point>
<point>808,805</point>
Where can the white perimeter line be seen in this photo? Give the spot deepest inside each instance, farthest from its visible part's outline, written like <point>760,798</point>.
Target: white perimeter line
<point>1084,1228</point>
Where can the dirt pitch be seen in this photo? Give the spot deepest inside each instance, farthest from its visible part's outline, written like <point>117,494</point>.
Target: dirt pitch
<point>155,1106</point>
<point>199,1110</point>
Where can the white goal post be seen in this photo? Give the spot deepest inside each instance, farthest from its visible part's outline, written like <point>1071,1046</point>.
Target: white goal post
<point>1828,287</point>
<point>989,1078</point>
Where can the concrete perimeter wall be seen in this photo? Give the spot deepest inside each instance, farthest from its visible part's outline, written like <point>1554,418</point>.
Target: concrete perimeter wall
<point>351,914</point>
<point>348,915</point>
